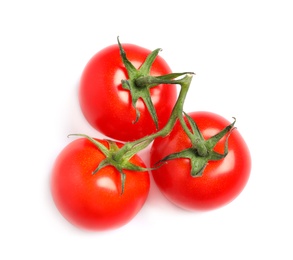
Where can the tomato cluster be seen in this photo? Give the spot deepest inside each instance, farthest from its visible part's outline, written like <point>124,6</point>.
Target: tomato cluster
<point>198,160</point>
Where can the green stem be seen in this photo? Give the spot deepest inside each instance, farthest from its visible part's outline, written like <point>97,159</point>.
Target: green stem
<point>134,147</point>
<point>186,129</point>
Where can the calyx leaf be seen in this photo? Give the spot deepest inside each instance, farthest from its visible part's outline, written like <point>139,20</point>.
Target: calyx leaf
<point>138,91</point>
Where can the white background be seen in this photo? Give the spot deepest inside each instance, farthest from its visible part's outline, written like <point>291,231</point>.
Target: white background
<point>242,54</point>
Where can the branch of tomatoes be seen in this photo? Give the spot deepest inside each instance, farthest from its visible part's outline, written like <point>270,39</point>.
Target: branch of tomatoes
<point>195,143</point>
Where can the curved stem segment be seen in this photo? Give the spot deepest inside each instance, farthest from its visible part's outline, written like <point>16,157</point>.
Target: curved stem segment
<point>131,148</point>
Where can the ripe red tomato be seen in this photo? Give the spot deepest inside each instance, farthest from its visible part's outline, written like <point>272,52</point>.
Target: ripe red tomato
<point>94,201</point>
<point>222,180</point>
<point>108,107</point>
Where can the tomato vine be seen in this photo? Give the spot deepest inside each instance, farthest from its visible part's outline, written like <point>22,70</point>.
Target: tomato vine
<point>195,160</point>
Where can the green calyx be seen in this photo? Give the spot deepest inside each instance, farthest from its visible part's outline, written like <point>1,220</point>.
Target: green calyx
<point>140,82</point>
<point>201,151</point>
<point>120,161</point>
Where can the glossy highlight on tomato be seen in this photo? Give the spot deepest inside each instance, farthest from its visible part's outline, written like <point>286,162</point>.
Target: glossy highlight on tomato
<point>108,107</point>
<point>221,182</point>
<point>94,201</point>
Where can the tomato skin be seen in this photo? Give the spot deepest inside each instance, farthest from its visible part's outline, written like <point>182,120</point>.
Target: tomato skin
<point>94,202</point>
<point>108,107</point>
<point>222,181</point>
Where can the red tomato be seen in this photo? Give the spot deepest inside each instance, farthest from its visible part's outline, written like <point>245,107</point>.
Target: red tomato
<point>108,107</point>
<point>94,201</point>
<point>222,180</point>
